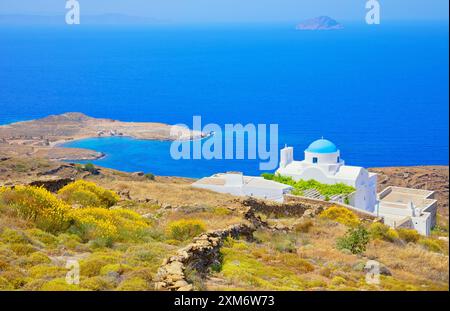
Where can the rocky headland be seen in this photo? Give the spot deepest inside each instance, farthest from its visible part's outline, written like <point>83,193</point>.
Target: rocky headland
<point>43,137</point>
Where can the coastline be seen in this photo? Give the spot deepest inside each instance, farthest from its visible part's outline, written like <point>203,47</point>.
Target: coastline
<point>46,137</point>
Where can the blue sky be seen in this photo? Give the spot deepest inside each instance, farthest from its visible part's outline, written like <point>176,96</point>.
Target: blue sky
<point>238,11</point>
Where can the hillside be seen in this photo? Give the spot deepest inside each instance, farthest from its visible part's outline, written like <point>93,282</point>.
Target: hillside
<point>122,238</point>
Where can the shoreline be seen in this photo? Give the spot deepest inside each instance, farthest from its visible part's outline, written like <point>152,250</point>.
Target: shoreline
<point>46,137</point>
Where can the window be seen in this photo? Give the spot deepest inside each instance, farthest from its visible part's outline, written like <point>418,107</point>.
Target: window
<point>338,159</point>
<point>315,160</point>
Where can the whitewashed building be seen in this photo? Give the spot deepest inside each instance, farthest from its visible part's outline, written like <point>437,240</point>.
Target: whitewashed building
<point>237,184</point>
<point>408,208</point>
<point>324,164</point>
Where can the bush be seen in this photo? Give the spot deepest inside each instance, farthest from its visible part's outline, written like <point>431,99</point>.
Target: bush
<point>150,176</point>
<point>89,167</point>
<point>92,266</point>
<point>302,185</point>
<point>355,240</point>
<point>303,226</point>
<point>185,229</point>
<point>408,235</point>
<point>133,284</point>
<point>432,245</point>
<point>108,226</point>
<point>379,231</point>
<point>88,194</point>
<point>58,285</point>
<point>38,205</point>
<point>341,215</point>
<point>46,238</point>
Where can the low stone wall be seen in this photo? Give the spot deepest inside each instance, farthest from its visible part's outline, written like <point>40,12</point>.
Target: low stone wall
<point>52,185</point>
<point>203,252</point>
<point>319,204</point>
<point>291,208</point>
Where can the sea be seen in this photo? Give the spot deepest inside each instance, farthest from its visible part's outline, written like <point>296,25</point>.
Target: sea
<point>379,92</point>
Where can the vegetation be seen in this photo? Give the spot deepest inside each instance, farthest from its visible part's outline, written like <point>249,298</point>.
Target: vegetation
<point>185,229</point>
<point>150,176</point>
<point>382,232</point>
<point>302,185</point>
<point>341,215</point>
<point>37,205</point>
<point>86,194</point>
<point>355,240</point>
<point>119,249</point>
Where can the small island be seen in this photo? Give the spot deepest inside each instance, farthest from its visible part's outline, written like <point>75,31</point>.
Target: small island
<point>320,23</point>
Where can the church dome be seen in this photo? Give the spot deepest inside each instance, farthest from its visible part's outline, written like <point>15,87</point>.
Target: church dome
<point>322,146</point>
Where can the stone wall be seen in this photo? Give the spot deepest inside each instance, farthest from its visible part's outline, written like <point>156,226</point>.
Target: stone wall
<point>202,253</point>
<point>319,204</point>
<point>52,185</point>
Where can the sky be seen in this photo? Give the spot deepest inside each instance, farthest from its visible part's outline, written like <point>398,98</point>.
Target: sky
<point>236,11</point>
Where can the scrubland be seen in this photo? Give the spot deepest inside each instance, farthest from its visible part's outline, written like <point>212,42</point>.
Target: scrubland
<point>120,227</point>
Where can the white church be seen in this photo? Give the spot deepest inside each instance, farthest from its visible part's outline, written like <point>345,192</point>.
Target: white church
<point>399,207</point>
<point>323,163</point>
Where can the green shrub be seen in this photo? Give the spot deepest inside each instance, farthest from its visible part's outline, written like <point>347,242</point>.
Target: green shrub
<point>302,185</point>
<point>355,240</point>
<point>13,236</point>
<point>341,215</point>
<point>46,238</point>
<point>93,265</point>
<point>185,229</point>
<point>408,235</point>
<point>58,285</point>
<point>150,176</point>
<point>89,167</point>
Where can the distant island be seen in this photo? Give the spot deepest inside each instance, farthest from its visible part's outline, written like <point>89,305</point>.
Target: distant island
<point>320,23</point>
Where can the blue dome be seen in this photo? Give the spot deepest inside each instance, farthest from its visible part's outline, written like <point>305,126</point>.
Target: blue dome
<point>322,146</point>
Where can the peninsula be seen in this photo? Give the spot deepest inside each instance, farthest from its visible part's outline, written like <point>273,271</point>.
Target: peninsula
<point>42,137</point>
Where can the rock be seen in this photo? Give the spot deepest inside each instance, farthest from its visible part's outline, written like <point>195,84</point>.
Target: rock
<point>187,288</point>
<point>175,268</point>
<point>181,283</point>
<point>160,285</point>
<point>320,23</point>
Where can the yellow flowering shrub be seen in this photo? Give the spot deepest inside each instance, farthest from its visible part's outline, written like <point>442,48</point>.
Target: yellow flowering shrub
<point>110,225</point>
<point>38,205</point>
<point>341,215</point>
<point>408,235</point>
<point>185,229</point>
<point>87,194</point>
<point>382,232</point>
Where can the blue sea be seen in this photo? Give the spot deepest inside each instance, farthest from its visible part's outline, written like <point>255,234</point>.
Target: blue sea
<point>380,93</point>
